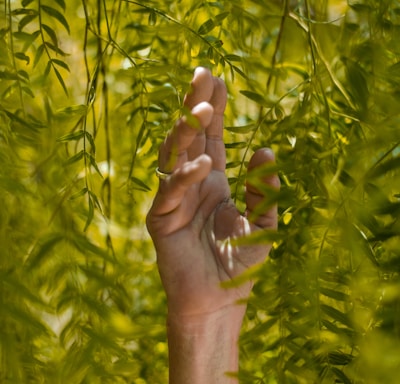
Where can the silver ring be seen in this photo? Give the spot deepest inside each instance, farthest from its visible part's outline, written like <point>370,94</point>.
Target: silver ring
<point>162,175</point>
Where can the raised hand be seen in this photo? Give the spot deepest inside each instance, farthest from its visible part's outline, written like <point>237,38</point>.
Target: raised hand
<point>193,222</point>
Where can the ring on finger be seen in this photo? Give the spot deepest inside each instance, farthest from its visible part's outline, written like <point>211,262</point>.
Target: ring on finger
<point>162,175</point>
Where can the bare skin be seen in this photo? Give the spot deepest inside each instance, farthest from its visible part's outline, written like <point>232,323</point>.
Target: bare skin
<point>192,223</point>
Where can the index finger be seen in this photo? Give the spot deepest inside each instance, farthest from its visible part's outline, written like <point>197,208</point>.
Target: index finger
<point>215,147</point>
<point>173,152</point>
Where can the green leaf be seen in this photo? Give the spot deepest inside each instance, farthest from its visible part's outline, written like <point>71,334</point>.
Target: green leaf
<point>22,56</point>
<point>259,99</point>
<point>339,358</point>
<point>337,295</point>
<point>85,245</point>
<point>6,75</point>
<point>61,64</point>
<point>392,164</point>
<point>57,15</point>
<point>55,49</point>
<point>51,34</point>
<point>77,157</point>
<point>26,20</point>
<point>92,162</point>
<point>206,27</point>
<point>23,11</point>
<point>78,194</point>
<point>61,80</point>
<point>139,184</point>
<point>39,54</point>
<point>233,57</point>
<point>341,376</point>
<point>72,111</point>
<point>336,315</point>
<point>23,75</point>
<point>90,215</point>
<point>73,136</point>
<point>61,3</point>
<point>242,129</point>
<point>221,17</point>
<point>28,91</point>
<point>25,3</point>
<point>25,318</point>
<point>90,138</point>
<point>44,250</point>
<point>152,18</point>
<point>237,145</point>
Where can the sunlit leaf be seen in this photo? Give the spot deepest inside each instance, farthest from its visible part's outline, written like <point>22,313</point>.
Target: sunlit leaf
<point>206,27</point>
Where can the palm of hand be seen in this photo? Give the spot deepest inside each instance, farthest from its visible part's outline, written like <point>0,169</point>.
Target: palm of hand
<point>198,256</point>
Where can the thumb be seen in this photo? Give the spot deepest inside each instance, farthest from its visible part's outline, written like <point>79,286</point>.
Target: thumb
<point>174,188</point>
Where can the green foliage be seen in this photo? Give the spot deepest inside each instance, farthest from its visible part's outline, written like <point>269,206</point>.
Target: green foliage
<point>87,92</point>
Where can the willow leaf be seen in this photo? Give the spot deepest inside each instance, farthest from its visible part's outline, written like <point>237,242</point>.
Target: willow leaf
<point>259,99</point>
<point>38,54</point>
<point>61,64</point>
<point>61,80</point>
<point>26,20</point>
<point>93,163</point>
<point>22,56</point>
<point>73,136</point>
<point>139,184</point>
<point>337,295</point>
<point>57,15</point>
<point>61,3</point>
<point>341,376</point>
<point>336,315</point>
<point>75,158</point>
<point>43,250</point>
<point>25,3</point>
<point>339,358</point>
<point>206,27</point>
<point>51,33</point>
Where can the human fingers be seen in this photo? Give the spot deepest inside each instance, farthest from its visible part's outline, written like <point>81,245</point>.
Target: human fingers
<point>173,152</point>
<point>215,147</point>
<point>173,190</point>
<point>202,87</point>
<point>260,210</point>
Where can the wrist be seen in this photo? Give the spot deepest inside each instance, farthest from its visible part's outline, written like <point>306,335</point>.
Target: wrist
<point>203,348</point>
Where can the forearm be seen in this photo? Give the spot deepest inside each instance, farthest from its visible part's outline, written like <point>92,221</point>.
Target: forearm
<point>205,349</point>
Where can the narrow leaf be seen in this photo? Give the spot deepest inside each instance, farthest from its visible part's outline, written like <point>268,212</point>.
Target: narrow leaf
<point>61,3</point>
<point>61,80</point>
<point>73,136</point>
<point>61,64</point>
<point>57,15</point>
<point>22,56</point>
<point>78,194</point>
<point>38,55</point>
<point>51,34</point>
<point>77,157</point>
<point>206,27</point>
<point>336,315</point>
<point>139,184</point>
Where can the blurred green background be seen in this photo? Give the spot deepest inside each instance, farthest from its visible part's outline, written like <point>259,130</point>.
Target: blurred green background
<point>88,90</point>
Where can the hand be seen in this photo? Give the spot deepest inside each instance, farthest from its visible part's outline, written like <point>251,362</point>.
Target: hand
<point>193,220</point>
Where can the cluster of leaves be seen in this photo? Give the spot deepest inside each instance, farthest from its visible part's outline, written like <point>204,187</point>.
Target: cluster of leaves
<point>88,90</point>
